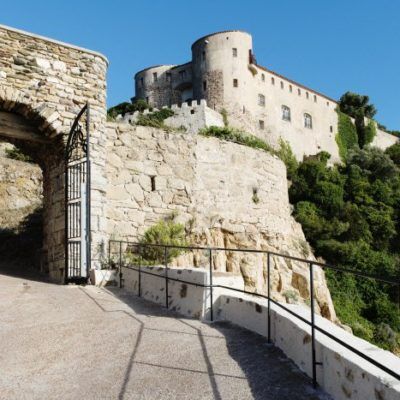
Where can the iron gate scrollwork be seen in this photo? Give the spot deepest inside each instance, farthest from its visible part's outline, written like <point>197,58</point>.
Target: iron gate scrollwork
<point>77,200</point>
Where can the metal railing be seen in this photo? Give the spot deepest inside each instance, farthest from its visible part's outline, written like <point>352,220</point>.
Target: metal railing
<point>165,249</point>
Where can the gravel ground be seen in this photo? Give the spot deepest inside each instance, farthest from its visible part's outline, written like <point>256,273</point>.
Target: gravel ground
<point>75,342</point>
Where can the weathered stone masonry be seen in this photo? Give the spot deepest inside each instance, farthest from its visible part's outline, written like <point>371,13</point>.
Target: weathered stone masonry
<point>48,82</point>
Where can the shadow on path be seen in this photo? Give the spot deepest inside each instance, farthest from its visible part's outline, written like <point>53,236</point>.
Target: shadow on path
<point>249,359</point>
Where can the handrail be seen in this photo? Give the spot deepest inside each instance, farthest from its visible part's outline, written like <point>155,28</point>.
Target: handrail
<point>268,297</point>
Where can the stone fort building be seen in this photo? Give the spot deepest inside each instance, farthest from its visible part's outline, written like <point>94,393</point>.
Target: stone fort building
<point>225,73</point>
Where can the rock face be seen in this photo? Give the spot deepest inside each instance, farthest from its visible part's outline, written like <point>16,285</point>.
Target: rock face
<point>227,195</point>
<point>20,191</point>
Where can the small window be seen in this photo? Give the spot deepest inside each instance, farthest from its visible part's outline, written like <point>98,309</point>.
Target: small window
<point>261,100</point>
<point>299,92</point>
<point>147,100</point>
<point>261,124</point>
<point>263,77</point>
<point>234,52</point>
<point>307,121</point>
<point>331,128</point>
<point>182,75</point>
<point>244,110</point>
<point>290,88</point>
<point>315,98</point>
<point>153,183</point>
<point>204,86</point>
<point>235,83</point>
<point>141,82</point>
<point>191,111</point>
<point>307,95</point>
<point>273,80</point>
<point>168,76</point>
<point>286,113</point>
<point>282,85</point>
<point>203,55</point>
<point>155,77</point>
<point>327,103</point>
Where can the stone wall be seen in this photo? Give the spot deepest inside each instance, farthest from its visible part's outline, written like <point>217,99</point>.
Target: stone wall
<point>227,195</point>
<point>48,82</point>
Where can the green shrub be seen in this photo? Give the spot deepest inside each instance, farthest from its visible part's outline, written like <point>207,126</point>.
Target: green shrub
<point>16,154</point>
<point>236,136</point>
<point>370,132</point>
<point>346,137</point>
<point>224,114</point>
<point>285,153</point>
<point>125,107</point>
<point>155,119</point>
<point>164,233</point>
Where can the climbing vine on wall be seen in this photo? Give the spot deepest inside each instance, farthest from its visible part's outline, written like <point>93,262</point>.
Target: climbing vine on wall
<point>346,137</point>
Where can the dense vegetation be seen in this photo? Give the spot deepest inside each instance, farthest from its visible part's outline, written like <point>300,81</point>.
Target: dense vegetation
<point>16,154</point>
<point>155,119</point>
<point>350,214</point>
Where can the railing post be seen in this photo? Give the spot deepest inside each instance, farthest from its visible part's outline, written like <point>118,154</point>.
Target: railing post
<point>211,286</point>
<point>314,364</point>
<point>140,271</point>
<point>166,274</point>
<point>269,295</point>
<point>120,264</point>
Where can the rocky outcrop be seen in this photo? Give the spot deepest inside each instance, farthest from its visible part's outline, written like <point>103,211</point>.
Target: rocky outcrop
<point>20,190</point>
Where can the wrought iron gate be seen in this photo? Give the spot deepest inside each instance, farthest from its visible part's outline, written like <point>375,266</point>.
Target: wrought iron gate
<point>77,200</point>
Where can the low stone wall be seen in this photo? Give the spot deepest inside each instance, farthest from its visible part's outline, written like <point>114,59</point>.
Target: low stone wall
<point>343,374</point>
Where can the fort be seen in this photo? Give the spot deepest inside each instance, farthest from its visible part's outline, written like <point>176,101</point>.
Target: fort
<point>225,73</point>
<point>100,180</point>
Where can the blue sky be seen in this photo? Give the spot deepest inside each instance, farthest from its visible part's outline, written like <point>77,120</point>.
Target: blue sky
<point>330,46</point>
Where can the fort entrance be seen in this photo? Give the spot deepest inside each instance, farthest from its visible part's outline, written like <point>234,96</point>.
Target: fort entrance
<point>45,89</point>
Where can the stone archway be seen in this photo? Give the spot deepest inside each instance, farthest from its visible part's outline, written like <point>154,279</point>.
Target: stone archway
<point>33,129</point>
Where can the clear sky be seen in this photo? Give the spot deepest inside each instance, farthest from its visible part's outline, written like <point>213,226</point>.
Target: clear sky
<point>331,46</point>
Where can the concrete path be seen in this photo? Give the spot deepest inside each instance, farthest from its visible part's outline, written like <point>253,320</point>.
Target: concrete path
<point>71,342</point>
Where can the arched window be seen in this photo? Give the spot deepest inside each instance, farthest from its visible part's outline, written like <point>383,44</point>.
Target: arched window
<point>285,113</point>
<point>307,121</point>
<point>261,100</point>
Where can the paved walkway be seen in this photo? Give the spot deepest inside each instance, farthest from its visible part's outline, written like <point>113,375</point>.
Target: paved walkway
<point>71,342</point>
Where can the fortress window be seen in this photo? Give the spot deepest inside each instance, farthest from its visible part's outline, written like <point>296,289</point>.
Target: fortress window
<point>203,55</point>
<point>331,128</point>
<point>299,92</point>
<point>234,52</point>
<point>235,83</point>
<point>315,98</point>
<point>286,113</point>
<point>141,82</point>
<point>153,183</point>
<point>155,77</point>
<point>273,80</point>
<point>327,103</point>
<point>204,86</point>
<point>168,76</point>
<point>282,86</point>
<point>307,95</point>
<point>261,100</point>
<point>307,121</point>
<point>261,124</point>
<point>263,77</point>
<point>290,88</point>
<point>182,75</point>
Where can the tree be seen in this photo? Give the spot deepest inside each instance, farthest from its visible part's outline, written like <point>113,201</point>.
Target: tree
<point>359,107</point>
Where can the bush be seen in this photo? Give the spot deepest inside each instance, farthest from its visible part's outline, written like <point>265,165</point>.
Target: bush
<point>155,119</point>
<point>285,153</point>
<point>163,233</point>
<point>236,136</point>
<point>125,107</point>
<point>370,132</point>
<point>16,154</point>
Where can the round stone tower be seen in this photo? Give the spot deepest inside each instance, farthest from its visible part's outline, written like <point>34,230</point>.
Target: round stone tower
<point>220,67</point>
<point>153,84</point>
